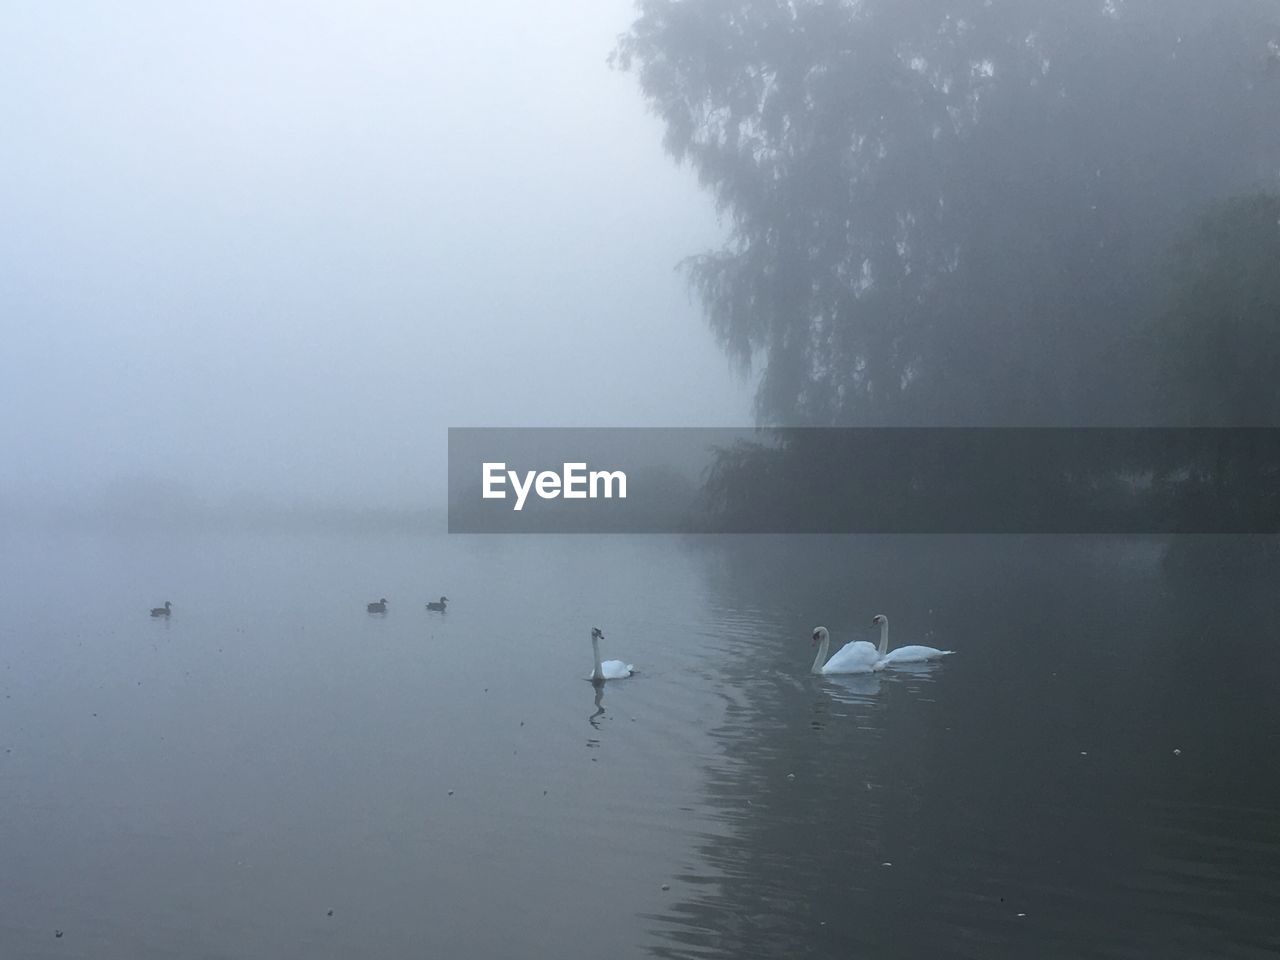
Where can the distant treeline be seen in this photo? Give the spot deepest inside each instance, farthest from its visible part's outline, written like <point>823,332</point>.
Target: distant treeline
<point>146,506</point>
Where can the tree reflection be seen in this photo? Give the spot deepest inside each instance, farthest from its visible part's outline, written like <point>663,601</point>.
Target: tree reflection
<point>921,812</point>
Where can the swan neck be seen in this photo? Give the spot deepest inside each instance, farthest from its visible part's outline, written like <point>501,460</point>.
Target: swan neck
<point>884,638</point>
<point>821,658</point>
<point>595,650</point>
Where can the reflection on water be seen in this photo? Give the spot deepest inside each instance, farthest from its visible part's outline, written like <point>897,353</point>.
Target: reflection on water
<point>852,688</point>
<point>594,719</point>
<point>1090,775</point>
<point>997,803</point>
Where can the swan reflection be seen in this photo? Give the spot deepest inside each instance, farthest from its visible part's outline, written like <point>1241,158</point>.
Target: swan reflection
<point>594,719</point>
<point>852,687</point>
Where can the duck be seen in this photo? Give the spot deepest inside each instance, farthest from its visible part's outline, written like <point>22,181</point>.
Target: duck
<point>162,611</point>
<point>434,605</point>
<point>378,606</point>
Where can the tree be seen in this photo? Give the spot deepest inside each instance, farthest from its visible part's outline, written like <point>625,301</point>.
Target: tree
<point>949,212</point>
<point>1219,339</point>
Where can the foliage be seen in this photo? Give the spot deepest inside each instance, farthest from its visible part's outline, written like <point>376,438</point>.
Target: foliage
<point>949,212</point>
<point>1219,340</point>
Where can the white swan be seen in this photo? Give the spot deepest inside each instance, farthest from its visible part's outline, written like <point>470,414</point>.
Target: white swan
<point>915,653</point>
<point>856,657</point>
<point>610,669</point>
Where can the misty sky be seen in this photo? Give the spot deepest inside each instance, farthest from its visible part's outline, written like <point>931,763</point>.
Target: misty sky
<point>279,248</point>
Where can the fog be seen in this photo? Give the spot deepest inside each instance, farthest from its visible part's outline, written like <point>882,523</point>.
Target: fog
<point>257,260</point>
<point>270,254</point>
<point>274,251</point>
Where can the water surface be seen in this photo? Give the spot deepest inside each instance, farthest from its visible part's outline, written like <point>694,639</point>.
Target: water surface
<point>1092,775</point>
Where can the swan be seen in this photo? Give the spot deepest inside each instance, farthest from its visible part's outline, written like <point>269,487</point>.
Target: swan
<point>610,669</point>
<point>161,611</point>
<point>379,606</point>
<point>914,653</point>
<point>856,657</point>
<point>433,605</point>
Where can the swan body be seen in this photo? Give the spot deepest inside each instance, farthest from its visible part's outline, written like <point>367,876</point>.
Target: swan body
<point>437,605</point>
<point>161,611</point>
<point>378,606</point>
<point>856,657</point>
<point>608,669</point>
<point>912,653</point>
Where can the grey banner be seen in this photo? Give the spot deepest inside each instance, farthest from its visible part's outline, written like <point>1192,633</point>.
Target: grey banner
<point>864,480</point>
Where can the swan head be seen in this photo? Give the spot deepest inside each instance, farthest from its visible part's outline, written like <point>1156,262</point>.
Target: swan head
<point>596,634</point>
<point>879,620</point>
<point>820,634</point>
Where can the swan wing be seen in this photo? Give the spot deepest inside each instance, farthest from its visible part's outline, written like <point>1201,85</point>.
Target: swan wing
<point>914,653</point>
<point>856,657</point>
<point>616,670</point>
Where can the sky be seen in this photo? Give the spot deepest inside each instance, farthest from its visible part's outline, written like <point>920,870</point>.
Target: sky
<point>276,249</point>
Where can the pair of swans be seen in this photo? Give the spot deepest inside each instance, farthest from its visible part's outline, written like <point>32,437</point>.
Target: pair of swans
<point>863,657</point>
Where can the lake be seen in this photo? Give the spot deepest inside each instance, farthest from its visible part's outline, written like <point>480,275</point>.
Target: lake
<point>275,773</point>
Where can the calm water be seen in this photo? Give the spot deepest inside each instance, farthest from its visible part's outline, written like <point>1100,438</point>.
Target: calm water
<point>450,785</point>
